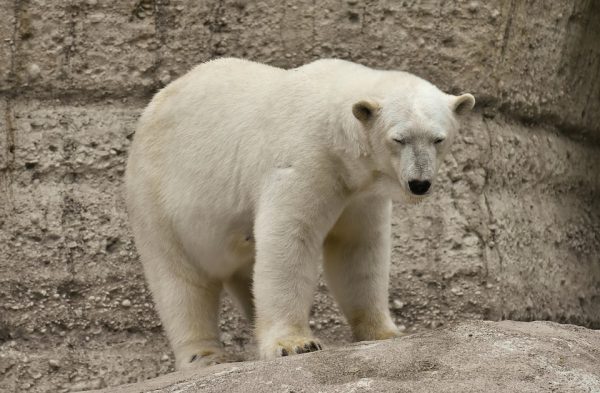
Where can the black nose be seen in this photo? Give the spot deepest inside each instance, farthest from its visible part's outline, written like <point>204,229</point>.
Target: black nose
<point>419,187</point>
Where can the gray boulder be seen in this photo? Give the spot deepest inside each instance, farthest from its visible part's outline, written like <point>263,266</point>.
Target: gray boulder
<point>475,356</point>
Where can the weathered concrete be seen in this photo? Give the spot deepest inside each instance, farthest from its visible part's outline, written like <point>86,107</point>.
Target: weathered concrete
<point>470,357</point>
<point>498,50</point>
<point>512,232</point>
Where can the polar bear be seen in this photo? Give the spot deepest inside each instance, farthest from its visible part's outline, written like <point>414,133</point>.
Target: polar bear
<point>245,176</point>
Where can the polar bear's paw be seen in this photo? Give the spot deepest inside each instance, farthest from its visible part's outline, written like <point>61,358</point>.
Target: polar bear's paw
<point>208,357</point>
<point>293,345</point>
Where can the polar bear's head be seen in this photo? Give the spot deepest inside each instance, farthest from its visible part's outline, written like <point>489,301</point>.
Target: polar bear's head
<point>408,132</point>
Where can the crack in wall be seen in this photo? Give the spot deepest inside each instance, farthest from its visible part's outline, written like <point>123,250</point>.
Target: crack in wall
<point>13,45</point>
<point>473,229</point>
<point>10,136</point>
<point>592,90</point>
<point>281,31</point>
<point>314,29</point>
<point>214,28</point>
<point>363,23</point>
<point>491,219</point>
<point>160,35</point>
<point>72,9</point>
<point>507,30</point>
<point>7,170</point>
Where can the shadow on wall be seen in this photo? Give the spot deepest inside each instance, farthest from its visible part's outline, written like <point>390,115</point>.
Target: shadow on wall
<point>581,54</point>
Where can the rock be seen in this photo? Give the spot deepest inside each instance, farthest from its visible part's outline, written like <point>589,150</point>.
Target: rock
<point>398,304</point>
<point>97,17</point>
<point>473,6</point>
<point>456,291</point>
<point>165,78</point>
<point>33,71</point>
<point>227,339</point>
<point>53,363</point>
<point>477,356</point>
<point>126,303</point>
<point>86,385</point>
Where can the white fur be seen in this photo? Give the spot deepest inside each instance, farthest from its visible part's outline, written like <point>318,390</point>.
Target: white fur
<point>238,162</point>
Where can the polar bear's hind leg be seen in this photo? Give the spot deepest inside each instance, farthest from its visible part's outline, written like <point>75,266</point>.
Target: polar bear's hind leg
<point>239,287</point>
<point>187,301</point>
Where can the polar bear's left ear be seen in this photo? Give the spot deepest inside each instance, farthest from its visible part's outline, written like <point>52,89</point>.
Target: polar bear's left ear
<point>463,104</point>
<point>365,110</point>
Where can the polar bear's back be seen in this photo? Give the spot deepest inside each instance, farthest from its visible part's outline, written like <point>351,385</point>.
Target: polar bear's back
<point>241,89</point>
<point>233,109</point>
<point>218,84</point>
<point>207,109</point>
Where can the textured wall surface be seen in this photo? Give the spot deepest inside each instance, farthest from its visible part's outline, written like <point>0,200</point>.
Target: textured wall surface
<point>513,231</point>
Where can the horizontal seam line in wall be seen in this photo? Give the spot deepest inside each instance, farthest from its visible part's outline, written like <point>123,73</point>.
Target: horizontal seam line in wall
<point>142,95</point>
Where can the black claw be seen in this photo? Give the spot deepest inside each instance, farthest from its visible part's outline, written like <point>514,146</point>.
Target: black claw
<point>308,347</point>
<point>313,346</point>
<point>284,352</point>
<point>194,357</point>
<point>319,346</point>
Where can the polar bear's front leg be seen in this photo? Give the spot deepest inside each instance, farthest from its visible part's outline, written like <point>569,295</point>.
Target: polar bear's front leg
<point>291,224</point>
<point>356,264</point>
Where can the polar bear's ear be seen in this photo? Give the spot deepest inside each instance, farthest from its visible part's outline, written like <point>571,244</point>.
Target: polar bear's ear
<point>364,110</point>
<point>463,104</point>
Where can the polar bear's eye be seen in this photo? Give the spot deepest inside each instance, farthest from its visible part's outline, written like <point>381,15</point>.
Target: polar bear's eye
<point>438,141</point>
<point>400,141</point>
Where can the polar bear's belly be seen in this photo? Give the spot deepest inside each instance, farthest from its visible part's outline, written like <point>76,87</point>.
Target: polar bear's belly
<point>219,247</point>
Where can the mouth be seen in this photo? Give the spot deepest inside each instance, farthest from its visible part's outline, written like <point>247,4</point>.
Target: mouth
<point>412,198</point>
<point>420,194</point>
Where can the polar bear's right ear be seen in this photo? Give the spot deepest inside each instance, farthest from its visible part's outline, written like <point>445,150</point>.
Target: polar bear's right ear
<point>364,110</point>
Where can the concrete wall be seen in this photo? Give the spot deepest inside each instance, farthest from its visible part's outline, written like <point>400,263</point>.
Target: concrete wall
<point>514,231</point>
